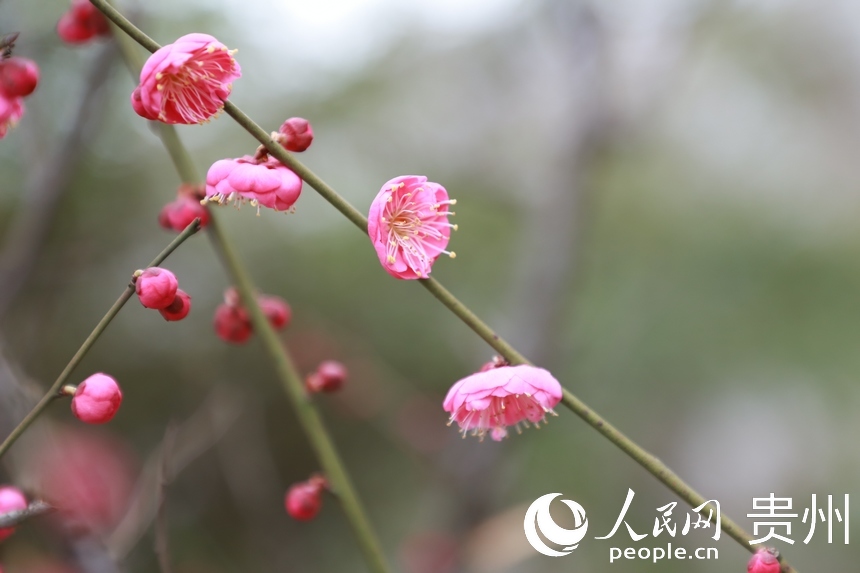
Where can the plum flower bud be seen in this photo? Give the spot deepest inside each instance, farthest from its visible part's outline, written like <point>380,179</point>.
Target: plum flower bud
<point>232,324</point>
<point>177,215</point>
<point>328,377</point>
<point>408,226</point>
<point>266,182</point>
<point>11,499</point>
<point>304,499</point>
<point>492,400</point>
<point>18,77</point>
<point>187,81</point>
<point>82,23</point>
<point>296,134</point>
<point>156,288</point>
<point>11,110</point>
<point>764,561</point>
<point>276,310</point>
<point>96,399</point>
<point>179,308</point>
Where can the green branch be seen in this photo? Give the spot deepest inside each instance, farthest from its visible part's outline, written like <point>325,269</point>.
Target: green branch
<point>54,390</point>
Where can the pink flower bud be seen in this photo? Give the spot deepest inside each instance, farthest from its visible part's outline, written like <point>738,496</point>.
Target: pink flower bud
<point>297,134</point>
<point>764,561</point>
<point>178,214</point>
<point>11,499</point>
<point>156,288</point>
<point>329,377</point>
<point>82,23</point>
<point>179,308</point>
<point>18,77</point>
<point>232,324</point>
<point>97,399</point>
<point>276,310</point>
<point>304,499</point>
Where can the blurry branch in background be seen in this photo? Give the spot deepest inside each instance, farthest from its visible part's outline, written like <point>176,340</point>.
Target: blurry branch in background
<point>53,391</point>
<point>182,445</point>
<point>50,177</point>
<point>308,415</point>
<point>35,509</point>
<point>162,528</point>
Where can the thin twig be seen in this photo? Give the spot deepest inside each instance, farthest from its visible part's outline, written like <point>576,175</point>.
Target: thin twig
<point>162,534</point>
<point>53,391</point>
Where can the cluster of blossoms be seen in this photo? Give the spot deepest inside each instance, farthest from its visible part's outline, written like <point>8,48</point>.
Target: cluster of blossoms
<point>178,214</point>
<point>304,499</point>
<point>233,324</point>
<point>158,289</point>
<point>261,180</point>
<point>82,23</point>
<point>18,79</point>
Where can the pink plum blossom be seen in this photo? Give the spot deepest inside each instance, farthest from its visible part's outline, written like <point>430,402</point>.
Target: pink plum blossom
<point>186,81</point>
<point>11,499</point>
<point>96,399</point>
<point>265,182</point>
<point>11,110</point>
<point>408,225</point>
<point>491,400</point>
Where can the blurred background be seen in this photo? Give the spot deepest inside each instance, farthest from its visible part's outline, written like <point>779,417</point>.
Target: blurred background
<point>657,201</point>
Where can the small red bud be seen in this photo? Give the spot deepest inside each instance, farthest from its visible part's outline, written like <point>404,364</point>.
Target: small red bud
<point>156,288</point>
<point>297,134</point>
<point>764,561</point>
<point>232,324</point>
<point>304,499</point>
<point>97,399</point>
<point>178,214</point>
<point>81,23</point>
<point>11,499</point>
<point>179,308</point>
<point>18,77</point>
<point>276,310</point>
<point>329,377</point>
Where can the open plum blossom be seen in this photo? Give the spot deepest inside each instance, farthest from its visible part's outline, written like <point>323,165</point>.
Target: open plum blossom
<point>186,81</point>
<point>261,182</point>
<point>492,400</point>
<point>408,225</point>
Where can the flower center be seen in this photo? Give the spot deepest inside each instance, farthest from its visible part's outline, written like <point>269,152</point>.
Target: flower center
<point>415,229</point>
<point>196,88</point>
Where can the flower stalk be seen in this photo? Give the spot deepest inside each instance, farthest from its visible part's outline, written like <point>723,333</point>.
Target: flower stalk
<point>55,390</point>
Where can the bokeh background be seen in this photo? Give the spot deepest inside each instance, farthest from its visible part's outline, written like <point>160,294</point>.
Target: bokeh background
<point>657,200</point>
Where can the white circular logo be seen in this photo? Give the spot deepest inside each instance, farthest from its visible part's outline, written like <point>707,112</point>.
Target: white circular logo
<point>538,517</point>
